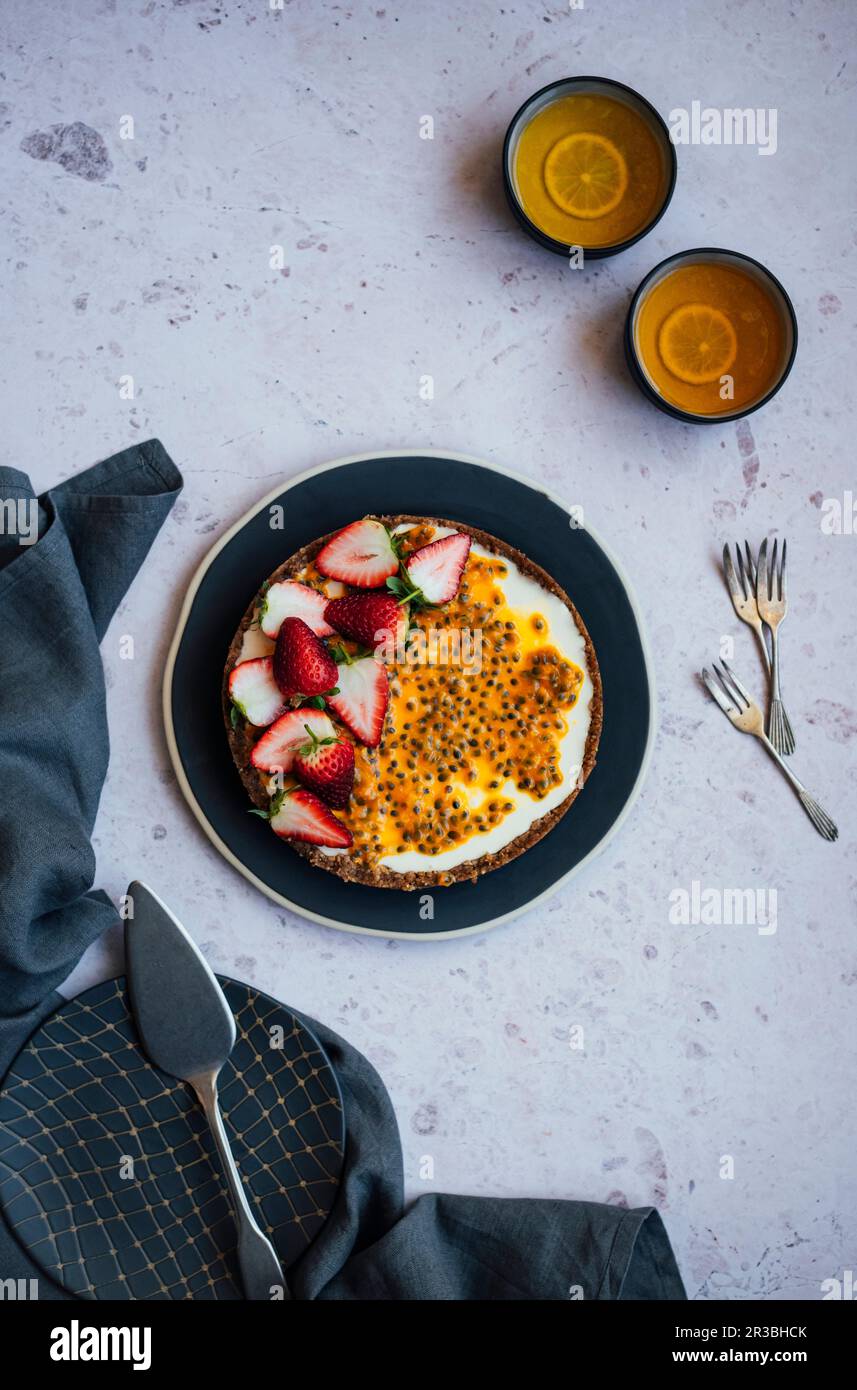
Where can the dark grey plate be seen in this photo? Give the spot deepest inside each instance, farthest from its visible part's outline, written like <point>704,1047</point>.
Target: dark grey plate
<point>431,484</point>
<point>108,1173</point>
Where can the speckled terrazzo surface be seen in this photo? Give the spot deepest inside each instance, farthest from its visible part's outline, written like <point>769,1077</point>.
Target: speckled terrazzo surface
<point>150,258</point>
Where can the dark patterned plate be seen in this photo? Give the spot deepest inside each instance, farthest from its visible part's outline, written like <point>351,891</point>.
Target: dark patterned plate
<point>108,1174</point>
<point>427,484</point>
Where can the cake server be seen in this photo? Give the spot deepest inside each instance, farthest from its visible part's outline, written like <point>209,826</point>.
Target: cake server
<point>188,1030</point>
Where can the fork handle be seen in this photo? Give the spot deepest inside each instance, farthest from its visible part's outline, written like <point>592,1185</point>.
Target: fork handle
<point>783,765</point>
<point>779,725</point>
<point>766,656</point>
<point>775,666</point>
<point>819,817</point>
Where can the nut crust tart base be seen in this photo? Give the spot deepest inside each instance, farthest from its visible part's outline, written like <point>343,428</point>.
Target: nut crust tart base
<point>243,737</point>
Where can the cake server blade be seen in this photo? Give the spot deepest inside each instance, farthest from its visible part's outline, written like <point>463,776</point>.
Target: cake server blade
<point>188,1030</point>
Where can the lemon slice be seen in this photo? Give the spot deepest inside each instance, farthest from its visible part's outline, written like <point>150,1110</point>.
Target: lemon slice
<point>586,175</point>
<point>697,343</point>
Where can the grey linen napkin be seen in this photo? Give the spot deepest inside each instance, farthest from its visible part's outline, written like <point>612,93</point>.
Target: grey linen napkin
<point>66,561</point>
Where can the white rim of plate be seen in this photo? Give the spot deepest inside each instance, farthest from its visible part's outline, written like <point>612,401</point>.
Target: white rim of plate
<point>221,845</point>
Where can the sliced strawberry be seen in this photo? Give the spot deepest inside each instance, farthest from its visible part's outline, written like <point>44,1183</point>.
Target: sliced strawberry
<point>364,694</point>
<point>436,569</point>
<point>326,766</point>
<point>275,751</point>
<point>290,599</point>
<point>302,664</point>
<point>370,619</point>
<point>254,644</point>
<point>361,555</point>
<point>254,691</point>
<point>302,816</point>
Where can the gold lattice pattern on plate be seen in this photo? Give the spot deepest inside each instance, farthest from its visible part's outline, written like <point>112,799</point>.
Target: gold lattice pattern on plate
<point>108,1173</point>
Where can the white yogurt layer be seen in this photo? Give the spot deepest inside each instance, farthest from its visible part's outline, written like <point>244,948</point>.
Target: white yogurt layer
<point>524,596</point>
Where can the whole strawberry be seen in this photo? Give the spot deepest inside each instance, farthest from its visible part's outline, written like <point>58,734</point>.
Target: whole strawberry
<point>302,663</point>
<point>326,767</point>
<point>372,620</point>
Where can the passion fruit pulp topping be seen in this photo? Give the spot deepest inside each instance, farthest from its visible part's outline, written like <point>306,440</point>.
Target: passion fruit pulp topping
<point>463,741</point>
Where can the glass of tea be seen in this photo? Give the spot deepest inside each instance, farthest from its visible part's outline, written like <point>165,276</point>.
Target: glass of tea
<point>588,165</point>
<point>710,336</point>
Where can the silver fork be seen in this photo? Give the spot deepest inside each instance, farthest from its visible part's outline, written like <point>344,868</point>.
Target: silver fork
<point>744,713</point>
<point>771,601</point>
<point>741,582</point>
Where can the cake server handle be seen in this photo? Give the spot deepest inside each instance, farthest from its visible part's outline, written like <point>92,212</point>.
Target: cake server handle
<point>261,1272</point>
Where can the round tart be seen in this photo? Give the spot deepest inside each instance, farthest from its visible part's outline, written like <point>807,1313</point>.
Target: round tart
<point>446,668</point>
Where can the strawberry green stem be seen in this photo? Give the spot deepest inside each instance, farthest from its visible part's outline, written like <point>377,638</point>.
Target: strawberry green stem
<point>314,743</point>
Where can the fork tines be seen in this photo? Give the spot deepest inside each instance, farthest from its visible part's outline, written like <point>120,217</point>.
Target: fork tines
<point>741,572</point>
<point>721,689</point>
<point>771,577</point>
<point>737,697</point>
<point>743,695</point>
<point>716,693</point>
